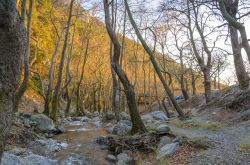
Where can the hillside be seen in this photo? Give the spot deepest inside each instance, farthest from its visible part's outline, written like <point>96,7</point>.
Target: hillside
<point>48,20</point>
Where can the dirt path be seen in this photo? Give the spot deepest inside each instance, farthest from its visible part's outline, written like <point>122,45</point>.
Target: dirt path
<point>225,142</point>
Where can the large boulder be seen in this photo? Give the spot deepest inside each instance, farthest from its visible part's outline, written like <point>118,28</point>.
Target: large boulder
<point>162,129</point>
<point>43,123</point>
<point>147,118</point>
<point>39,160</point>
<point>167,150</point>
<point>164,141</point>
<point>122,128</point>
<point>124,116</point>
<point>124,158</point>
<point>109,116</point>
<point>10,159</point>
<point>158,115</point>
<point>20,151</point>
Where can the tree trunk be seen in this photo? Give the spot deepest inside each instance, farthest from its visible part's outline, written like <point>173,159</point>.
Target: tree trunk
<point>137,124</point>
<point>59,79</point>
<point>183,88</point>
<point>154,62</point>
<point>207,84</point>
<point>12,50</point>
<point>229,9</point>
<point>24,84</point>
<point>51,78</point>
<point>115,89</point>
<point>79,104</point>
<point>241,73</point>
<point>193,83</point>
<point>165,107</point>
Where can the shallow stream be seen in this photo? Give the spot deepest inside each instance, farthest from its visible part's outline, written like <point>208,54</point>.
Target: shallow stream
<point>82,148</point>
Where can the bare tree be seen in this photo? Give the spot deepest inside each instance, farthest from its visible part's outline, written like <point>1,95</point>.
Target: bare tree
<point>137,124</point>
<point>229,12</point>
<point>229,9</point>
<point>59,79</point>
<point>24,84</point>
<point>154,62</point>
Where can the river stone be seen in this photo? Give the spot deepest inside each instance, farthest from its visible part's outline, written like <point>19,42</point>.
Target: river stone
<point>95,119</point>
<point>85,119</point>
<point>41,142</point>
<point>26,114</point>
<point>39,160</point>
<point>10,159</point>
<point>124,116</point>
<point>122,128</point>
<point>75,160</point>
<point>95,114</point>
<point>177,140</point>
<point>158,115</point>
<point>124,157</point>
<point>120,162</point>
<point>167,150</point>
<point>109,116</point>
<point>162,129</point>
<point>60,128</point>
<point>20,151</point>
<point>164,140</point>
<point>147,119</point>
<point>26,123</point>
<point>103,140</point>
<point>111,158</point>
<point>44,123</point>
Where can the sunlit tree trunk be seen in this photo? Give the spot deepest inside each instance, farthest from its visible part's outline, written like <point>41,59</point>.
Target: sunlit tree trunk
<point>24,84</point>
<point>56,93</point>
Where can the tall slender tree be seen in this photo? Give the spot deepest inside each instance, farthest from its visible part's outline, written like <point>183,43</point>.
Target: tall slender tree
<point>154,62</point>
<point>56,93</point>
<point>137,124</point>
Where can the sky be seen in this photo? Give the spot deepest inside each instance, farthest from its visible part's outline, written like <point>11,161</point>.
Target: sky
<point>229,73</point>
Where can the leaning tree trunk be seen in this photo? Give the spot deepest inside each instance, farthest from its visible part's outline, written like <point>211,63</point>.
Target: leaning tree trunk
<point>12,51</point>
<point>59,79</point>
<point>24,84</point>
<point>154,62</point>
<point>137,124</point>
<point>241,73</point>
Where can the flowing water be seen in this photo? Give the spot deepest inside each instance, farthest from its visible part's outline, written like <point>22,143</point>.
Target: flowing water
<point>82,148</point>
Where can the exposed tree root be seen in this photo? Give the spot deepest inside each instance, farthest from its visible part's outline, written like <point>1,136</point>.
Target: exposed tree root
<point>145,143</point>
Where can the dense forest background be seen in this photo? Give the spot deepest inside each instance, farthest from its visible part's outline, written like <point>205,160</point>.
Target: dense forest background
<point>88,45</point>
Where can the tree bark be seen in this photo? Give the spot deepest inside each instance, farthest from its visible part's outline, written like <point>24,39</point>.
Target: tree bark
<point>24,84</point>
<point>229,14</point>
<point>242,76</point>
<point>59,79</point>
<point>13,39</point>
<point>154,62</point>
<point>229,10</point>
<point>137,124</point>
<point>79,104</point>
<point>51,78</point>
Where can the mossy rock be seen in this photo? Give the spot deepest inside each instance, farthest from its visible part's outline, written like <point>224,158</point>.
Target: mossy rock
<point>201,142</point>
<point>196,123</point>
<point>245,144</point>
<point>165,161</point>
